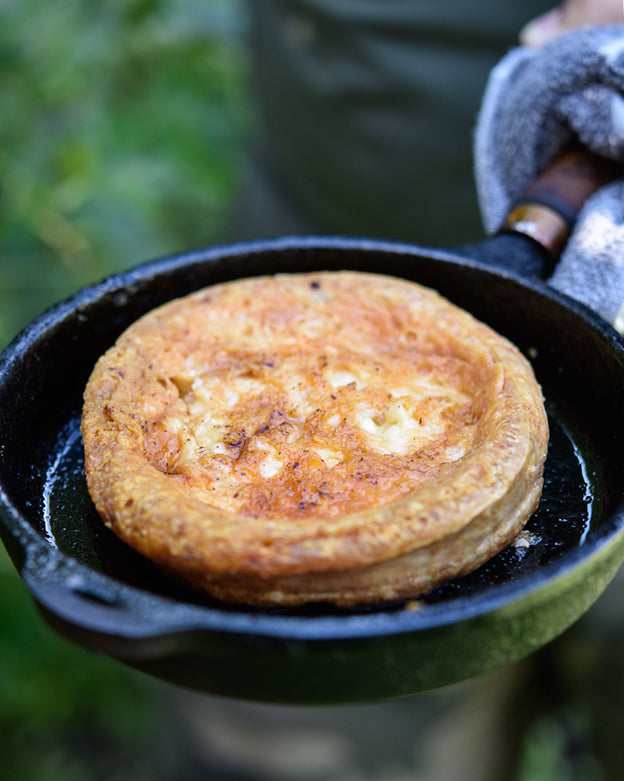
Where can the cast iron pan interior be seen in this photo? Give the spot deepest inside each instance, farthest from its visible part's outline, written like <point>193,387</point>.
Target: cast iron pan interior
<point>100,594</point>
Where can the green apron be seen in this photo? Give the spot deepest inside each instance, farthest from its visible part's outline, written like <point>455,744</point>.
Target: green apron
<point>366,111</point>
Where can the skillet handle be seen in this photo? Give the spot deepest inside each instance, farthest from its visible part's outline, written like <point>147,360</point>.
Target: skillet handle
<point>547,209</point>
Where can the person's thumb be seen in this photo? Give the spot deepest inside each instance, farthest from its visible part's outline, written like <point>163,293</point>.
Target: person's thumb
<point>542,29</point>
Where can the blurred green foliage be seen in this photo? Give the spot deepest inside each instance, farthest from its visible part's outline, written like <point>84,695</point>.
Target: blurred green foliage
<point>122,135</point>
<point>67,714</point>
<point>121,138</point>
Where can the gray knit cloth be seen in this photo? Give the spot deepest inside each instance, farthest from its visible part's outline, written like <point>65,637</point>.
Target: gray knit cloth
<point>535,102</point>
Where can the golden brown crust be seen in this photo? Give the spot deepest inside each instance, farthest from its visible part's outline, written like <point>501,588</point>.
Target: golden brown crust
<point>336,436</point>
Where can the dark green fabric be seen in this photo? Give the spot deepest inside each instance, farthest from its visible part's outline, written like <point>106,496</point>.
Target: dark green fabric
<point>367,108</point>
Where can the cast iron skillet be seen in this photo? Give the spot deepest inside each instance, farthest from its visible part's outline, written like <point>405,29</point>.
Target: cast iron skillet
<point>98,593</point>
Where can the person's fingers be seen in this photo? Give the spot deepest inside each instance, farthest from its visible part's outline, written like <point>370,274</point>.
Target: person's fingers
<point>576,13</point>
<point>568,16</point>
<point>542,29</point>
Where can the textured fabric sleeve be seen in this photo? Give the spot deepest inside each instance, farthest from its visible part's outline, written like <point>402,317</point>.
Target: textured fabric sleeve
<point>535,103</point>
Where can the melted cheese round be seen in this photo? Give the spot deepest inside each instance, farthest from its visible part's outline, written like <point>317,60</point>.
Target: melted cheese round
<point>245,435</point>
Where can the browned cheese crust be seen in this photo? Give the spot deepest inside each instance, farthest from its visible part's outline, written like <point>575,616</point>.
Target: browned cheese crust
<point>339,437</point>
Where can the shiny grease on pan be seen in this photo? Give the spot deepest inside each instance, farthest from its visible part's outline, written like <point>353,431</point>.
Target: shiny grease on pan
<point>560,524</point>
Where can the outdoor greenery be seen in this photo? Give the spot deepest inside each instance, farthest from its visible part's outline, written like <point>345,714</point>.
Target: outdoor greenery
<point>122,137</point>
<point>122,130</point>
<point>67,714</point>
